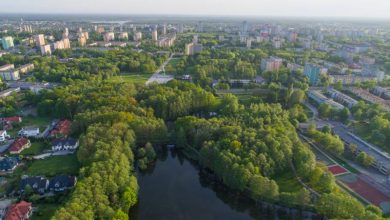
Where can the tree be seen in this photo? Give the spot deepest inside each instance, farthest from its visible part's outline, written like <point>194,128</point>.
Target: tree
<point>339,206</point>
<point>365,159</point>
<point>344,115</point>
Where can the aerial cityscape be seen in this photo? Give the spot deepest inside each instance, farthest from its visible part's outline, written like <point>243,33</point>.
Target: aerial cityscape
<point>185,110</point>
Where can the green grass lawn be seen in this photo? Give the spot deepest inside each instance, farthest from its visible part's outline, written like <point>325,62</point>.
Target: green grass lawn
<point>44,211</point>
<point>132,78</point>
<point>288,183</point>
<point>54,166</point>
<point>41,122</point>
<point>36,148</point>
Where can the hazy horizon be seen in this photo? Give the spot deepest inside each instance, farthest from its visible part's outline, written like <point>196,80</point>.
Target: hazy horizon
<point>376,9</point>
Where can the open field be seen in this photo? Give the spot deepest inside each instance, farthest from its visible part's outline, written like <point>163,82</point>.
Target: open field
<point>44,211</point>
<point>54,166</point>
<point>288,183</point>
<point>36,148</point>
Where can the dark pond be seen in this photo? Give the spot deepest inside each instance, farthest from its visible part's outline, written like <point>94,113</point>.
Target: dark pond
<point>174,188</point>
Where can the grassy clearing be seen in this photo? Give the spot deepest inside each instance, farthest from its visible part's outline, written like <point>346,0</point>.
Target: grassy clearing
<point>54,166</point>
<point>44,211</point>
<point>288,183</point>
<point>36,148</point>
<point>41,122</point>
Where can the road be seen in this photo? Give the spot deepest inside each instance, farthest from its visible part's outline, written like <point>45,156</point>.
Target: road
<point>161,78</point>
<point>312,109</point>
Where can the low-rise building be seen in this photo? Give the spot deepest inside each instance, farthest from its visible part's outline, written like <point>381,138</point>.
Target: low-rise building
<point>342,98</point>
<point>19,211</point>
<point>29,132</point>
<point>8,164</point>
<point>37,183</point>
<point>9,73</point>
<point>26,68</point>
<point>64,144</point>
<point>3,135</point>
<point>62,128</point>
<point>62,183</point>
<point>319,98</point>
<point>19,145</point>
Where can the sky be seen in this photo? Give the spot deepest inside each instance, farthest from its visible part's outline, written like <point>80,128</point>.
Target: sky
<point>285,8</point>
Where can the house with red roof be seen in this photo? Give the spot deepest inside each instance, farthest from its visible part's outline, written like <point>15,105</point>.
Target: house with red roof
<point>19,211</point>
<point>12,120</point>
<point>19,145</point>
<point>62,128</point>
<point>9,121</point>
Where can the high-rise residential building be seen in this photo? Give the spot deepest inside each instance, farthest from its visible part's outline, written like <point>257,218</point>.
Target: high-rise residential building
<point>164,29</point>
<point>276,43</point>
<point>86,34</point>
<point>195,39</point>
<point>124,36</point>
<point>193,48</point>
<point>82,40</point>
<point>100,29</point>
<point>200,26</point>
<point>249,43</point>
<point>154,35</point>
<point>59,45</point>
<point>27,28</point>
<point>244,28</point>
<point>138,36</point>
<point>271,64</point>
<point>167,41</point>
<point>109,36</point>
<point>7,42</point>
<point>39,40</point>
<point>65,34</point>
<point>66,43</point>
<point>313,72</point>
<point>292,36</point>
<point>45,50</point>
<point>180,28</point>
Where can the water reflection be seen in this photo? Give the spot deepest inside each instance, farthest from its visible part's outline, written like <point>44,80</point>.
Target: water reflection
<point>174,188</point>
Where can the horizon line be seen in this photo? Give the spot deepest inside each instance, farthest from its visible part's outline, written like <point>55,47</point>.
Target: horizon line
<point>195,15</point>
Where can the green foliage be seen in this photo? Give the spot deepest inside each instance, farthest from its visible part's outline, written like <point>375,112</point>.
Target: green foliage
<point>365,159</point>
<point>176,99</point>
<point>328,141</point>
<point>246,149</point>
<point>340,206</point>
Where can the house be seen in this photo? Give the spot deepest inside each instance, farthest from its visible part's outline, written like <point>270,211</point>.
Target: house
<point>12,120</point>
<point>9,121</point>
<point>3,135</point>
<point>19,211</point>
<point>37,183</point>
<point>62,183</point>
<point>8,164</point>
<point>19,145</point>
<point>62,128</point>
<point>64,144</point>
<point>29,132</point>
<point>4,204</point>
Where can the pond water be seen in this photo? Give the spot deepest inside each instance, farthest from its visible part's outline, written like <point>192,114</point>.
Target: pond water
<point>174,188</point>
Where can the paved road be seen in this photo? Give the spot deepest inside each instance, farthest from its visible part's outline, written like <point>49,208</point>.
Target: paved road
<point>312,109</point>
<point>161,78</point>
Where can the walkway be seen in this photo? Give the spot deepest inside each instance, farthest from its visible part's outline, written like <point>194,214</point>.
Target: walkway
<point>161,78</point>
